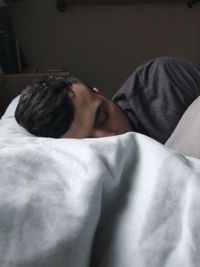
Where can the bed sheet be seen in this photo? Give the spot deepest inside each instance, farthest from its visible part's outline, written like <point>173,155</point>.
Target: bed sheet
<point>116,201</point>
<point>122,201</point>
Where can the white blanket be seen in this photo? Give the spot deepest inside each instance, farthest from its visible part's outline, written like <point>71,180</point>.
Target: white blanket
<point>123,201</point>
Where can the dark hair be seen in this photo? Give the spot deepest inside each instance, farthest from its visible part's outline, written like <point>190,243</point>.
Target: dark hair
<point>45,108</point>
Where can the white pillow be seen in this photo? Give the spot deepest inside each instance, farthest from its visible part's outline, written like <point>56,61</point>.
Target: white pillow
<point>8,124</point>
<point>186,136</point>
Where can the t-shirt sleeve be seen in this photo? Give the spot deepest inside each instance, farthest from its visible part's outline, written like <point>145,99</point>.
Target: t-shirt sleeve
<point>156,95</point>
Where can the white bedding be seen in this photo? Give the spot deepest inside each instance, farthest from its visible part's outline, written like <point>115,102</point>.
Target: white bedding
<point>123,201</point>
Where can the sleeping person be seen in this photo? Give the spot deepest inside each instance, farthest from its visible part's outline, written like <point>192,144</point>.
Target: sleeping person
<point>151,102</point>
<point>66,107</point>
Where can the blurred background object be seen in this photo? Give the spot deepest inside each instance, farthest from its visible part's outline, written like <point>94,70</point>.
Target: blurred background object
<point>193,3</point>
<point>10,60</point>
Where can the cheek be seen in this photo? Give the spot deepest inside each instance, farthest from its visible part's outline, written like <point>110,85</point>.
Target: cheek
<point>117,113</point>
<point>116,116</point>
<point>119,120</point>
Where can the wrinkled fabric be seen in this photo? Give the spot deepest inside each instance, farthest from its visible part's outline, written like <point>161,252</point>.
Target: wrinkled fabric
<point>156,95</point>
<point>93,202</point>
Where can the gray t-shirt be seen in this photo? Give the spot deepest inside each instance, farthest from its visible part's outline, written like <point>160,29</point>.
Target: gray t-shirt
<point>157,94</point>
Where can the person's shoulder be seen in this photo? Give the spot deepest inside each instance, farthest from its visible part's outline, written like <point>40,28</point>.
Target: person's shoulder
<point>162,61</point>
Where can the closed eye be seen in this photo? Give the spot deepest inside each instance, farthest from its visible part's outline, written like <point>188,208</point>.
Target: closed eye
<point>101,115</point>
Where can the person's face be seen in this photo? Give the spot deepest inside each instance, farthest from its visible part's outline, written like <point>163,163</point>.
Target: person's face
<point>95,115</point>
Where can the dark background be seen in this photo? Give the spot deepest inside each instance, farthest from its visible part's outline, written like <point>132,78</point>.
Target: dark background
<point>103,44</point>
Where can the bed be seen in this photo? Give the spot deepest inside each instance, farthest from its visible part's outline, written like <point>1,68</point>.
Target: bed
<point>122,201</point>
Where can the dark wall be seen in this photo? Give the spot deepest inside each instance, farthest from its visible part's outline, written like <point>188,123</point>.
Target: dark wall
<point>103,44</point>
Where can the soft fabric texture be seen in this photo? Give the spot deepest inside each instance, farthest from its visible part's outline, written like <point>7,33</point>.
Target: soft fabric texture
<point>186,136</point>
<point>157,94</point>
<point>8,124</point>
<point>142,198</point>
<point>122,201</point>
